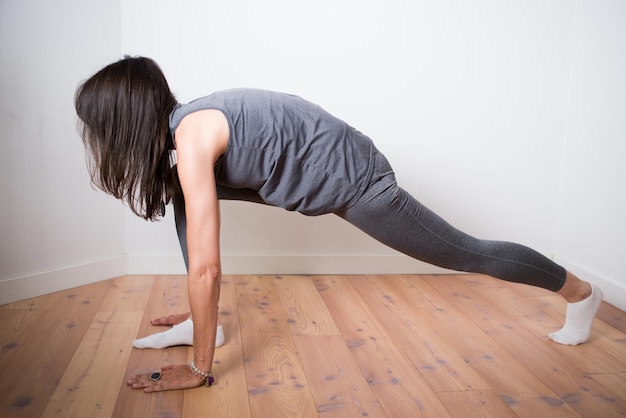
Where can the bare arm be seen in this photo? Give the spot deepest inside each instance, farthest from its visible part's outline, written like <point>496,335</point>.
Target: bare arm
<point>201,138</point>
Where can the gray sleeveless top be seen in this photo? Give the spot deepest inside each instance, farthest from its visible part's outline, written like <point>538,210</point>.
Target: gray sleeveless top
<point>293,153</point>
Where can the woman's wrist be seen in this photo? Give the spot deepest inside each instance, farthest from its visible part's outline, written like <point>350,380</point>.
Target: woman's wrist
<point>202,363</point>
<point>205,375</point>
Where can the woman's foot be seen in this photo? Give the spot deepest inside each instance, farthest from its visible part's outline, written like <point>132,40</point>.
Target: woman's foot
<point>179,334</point>
<point>581,311</point>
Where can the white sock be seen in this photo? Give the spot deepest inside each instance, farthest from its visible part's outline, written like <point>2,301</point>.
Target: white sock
<point>181,334</point>
<point>578,319</point>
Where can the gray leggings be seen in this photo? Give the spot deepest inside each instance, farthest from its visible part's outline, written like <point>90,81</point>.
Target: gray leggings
<point>392,216</point>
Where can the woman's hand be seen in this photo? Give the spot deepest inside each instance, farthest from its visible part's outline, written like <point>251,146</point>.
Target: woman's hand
<point>172,377</point>
<point>173,319</point>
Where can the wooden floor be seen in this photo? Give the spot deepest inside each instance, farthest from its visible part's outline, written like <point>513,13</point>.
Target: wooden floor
<point>308,346</point>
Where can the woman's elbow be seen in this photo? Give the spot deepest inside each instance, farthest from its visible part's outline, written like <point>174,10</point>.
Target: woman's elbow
<point>205,272</point>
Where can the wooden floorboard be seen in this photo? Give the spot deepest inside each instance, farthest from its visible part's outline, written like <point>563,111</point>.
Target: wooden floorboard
<point>275,376</point>
<point>399,387</point>
<point>39,346</point>
<point>316,346</point>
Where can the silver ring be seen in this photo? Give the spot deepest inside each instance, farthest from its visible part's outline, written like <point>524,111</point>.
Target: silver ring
<point>155,376</point>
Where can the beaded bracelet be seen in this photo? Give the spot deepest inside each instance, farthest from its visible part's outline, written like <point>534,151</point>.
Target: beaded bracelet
<point>207,376</point>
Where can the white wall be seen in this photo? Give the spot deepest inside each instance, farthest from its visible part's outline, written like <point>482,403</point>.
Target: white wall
<point>465,98</point>
<point>592,205</point>
<point>55,231</point>
<point>478,105</point>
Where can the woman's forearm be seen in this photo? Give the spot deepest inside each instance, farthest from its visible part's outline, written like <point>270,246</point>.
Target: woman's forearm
<point>204,292</point>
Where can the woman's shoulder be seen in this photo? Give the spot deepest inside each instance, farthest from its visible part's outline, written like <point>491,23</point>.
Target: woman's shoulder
<point>202,129</point>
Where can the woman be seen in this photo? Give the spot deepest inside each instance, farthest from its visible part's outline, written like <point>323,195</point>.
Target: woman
<point>280,150</point>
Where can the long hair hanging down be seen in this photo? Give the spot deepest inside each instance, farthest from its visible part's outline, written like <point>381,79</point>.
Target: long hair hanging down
<point>124,113</point>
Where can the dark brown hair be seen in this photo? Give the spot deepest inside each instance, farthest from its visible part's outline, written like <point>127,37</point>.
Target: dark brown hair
<point>124,113</point>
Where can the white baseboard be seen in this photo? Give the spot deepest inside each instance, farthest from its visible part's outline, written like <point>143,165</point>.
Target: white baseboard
<point>152,264</point>
<point>28,286</point>
<point>614,292</point>
<point>290,264</point>
<point>38,284</point>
